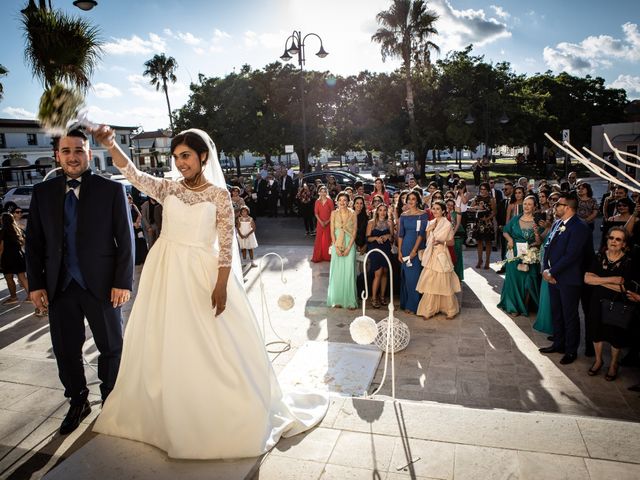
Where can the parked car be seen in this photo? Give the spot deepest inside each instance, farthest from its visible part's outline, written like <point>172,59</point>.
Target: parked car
<point>344,179</point>
<point>17,197</point>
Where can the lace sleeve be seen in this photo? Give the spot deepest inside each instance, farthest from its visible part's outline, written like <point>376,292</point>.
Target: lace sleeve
<point>224,224</point>
<point>154,187</point>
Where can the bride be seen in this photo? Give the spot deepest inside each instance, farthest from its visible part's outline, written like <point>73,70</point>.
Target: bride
<point>195,379</point>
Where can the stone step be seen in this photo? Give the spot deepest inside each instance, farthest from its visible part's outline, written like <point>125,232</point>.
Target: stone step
<point>359,437</point>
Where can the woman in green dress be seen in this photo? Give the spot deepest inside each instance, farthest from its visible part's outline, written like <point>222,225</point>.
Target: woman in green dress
<point>342,272</point>
<point>544,322</point>
<point>459,236</point>
<point>521,287</point>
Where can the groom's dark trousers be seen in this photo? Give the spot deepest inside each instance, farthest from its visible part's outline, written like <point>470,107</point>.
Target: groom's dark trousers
<point>79,248</point>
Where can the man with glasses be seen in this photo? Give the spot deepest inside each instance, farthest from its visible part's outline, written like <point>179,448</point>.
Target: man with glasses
<point>566,252</point>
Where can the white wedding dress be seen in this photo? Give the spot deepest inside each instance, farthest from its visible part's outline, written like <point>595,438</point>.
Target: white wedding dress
<point>195,385</point>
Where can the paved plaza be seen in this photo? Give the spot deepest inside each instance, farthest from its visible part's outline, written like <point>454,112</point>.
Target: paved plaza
<point>475,398</point>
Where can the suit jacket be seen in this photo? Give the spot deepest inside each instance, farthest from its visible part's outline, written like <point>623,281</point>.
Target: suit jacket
<point>104,236</point>
<point>567,252</point>
<point>288,186</point>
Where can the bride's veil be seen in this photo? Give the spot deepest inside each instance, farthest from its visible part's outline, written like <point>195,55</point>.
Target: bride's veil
<point>213,173</point>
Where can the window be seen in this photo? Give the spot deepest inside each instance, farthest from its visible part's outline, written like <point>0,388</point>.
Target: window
<point>109,161</point>
<point>142,160</point>
<point>3,141</point>
<point>22,191</point>
<point>123,139</point>
<point>32,139</point>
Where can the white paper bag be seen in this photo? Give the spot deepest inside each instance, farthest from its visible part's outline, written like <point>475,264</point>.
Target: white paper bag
<point>521,248</point>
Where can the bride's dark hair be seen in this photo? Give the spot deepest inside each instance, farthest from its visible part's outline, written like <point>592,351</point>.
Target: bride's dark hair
<point>193,141</point>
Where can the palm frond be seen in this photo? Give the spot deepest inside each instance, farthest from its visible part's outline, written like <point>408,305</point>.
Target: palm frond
<point>60,48</point>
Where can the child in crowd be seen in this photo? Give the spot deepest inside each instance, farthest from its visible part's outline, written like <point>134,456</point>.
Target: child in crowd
<point>246,229</point>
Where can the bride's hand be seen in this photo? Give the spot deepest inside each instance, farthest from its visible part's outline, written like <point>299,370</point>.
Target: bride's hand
<point>219,298</point>
<point>105,136</point>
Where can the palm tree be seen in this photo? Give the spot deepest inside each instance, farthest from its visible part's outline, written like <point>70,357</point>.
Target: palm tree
<point>161,69</point>
<point>3,72</point>
<point>405,30</point>
<point>60,48</point>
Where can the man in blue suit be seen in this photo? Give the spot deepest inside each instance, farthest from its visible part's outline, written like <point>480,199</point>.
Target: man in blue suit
<point>566,251</point>
<point>79,254</point>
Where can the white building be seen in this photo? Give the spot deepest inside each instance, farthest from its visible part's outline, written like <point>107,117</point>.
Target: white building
<point>24,143</point>
<point>151,150</point>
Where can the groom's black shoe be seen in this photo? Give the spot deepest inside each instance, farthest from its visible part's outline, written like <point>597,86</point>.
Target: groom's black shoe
<point>550,349</point>
<point>568,358</point>
<point>74,416</point>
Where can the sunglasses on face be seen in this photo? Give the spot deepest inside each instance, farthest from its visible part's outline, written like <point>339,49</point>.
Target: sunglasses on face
<point>615,239</point>
<point>17,211</point>
<point>558,204</point>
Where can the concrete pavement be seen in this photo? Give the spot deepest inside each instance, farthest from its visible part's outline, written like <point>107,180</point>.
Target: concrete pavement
<point>476,399</point>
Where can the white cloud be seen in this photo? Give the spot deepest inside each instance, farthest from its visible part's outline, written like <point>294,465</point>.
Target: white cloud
<point>135,45</point>
<point>458,28</point>
<point>18,112</point>
<point>140,87</point>
<point>219,34</point>
<point>105,90</point>
<point>594,52</point>
<point>629,83</point>
<point>250,39</point>
<point>199,51</point>
<point>500,12</point>
<point>188,38</point>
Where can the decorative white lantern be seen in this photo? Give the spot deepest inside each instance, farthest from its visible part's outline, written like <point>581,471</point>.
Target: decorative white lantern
<point>400,338</point>
<point>364,330</point>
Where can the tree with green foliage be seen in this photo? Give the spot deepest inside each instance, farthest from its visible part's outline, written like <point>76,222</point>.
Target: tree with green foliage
<point>161,69</point>
<point>405,32</point>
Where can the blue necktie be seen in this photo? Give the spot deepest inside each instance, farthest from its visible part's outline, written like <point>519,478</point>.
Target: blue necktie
<point>71,261</point>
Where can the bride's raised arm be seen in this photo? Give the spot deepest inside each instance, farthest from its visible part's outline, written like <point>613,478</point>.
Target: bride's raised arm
<point>152,186</point>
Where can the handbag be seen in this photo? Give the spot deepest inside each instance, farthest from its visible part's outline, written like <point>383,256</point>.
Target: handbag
<point>616,314</point>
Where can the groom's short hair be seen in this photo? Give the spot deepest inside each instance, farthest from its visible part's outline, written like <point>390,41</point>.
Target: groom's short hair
<point>571,199</point>
<point>76,132</point>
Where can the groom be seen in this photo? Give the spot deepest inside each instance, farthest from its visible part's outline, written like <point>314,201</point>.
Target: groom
<point>79,254</point>
<point>567,249</point>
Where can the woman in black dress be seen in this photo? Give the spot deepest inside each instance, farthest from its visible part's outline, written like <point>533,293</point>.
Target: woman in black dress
<point>362,218</point>
<point>607,275</point>
<point>141,248</point>
<point>12,257</point>
<point>484,206</point>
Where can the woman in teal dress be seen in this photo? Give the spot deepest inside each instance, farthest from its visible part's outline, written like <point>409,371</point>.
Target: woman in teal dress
<point>342,272</point>
<point>413,223</point>
<point>459,236</point>
<point>544,322</point>
<point>521,288</point>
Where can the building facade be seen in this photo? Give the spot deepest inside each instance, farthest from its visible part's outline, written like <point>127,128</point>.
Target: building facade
<point>24,143</point>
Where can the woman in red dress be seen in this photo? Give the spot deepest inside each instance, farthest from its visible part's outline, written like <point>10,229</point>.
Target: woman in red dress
<point>322,210</point>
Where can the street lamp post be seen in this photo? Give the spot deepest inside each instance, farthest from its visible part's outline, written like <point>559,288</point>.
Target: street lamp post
<point>297,48</point>
<point>469,120</point>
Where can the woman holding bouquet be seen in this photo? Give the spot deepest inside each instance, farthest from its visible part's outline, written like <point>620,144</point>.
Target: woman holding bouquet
<point>522,280</point>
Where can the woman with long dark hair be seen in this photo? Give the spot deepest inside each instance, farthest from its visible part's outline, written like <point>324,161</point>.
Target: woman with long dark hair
<point>413,223</point>
<point>379,236</point>
<point>342,272</point>
<point>323,208</point>
<point>12,257</point>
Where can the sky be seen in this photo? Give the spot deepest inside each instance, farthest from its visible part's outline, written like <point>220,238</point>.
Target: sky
<point>215,37</point>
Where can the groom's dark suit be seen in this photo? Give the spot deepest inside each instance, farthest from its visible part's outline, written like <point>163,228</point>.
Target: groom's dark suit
<point>104,248</point>
<point>565,254</point>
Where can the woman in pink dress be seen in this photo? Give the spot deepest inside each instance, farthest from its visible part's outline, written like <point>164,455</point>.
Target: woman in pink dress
<point>322,210</point>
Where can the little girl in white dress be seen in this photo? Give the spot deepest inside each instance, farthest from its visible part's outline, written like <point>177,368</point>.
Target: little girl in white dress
<point>246,228</point>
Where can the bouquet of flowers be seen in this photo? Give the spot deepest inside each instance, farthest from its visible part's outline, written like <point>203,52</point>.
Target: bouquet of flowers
<point>58,105</point>
<point>530,256</point>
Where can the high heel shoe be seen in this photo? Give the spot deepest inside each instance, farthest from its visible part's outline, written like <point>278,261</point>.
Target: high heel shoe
<point>479,264</point>
<point>486,266</point>
<point>610,378</point>
<point>592,372</point>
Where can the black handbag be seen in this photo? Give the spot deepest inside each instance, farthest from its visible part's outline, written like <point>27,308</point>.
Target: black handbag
<point>616,314</point>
